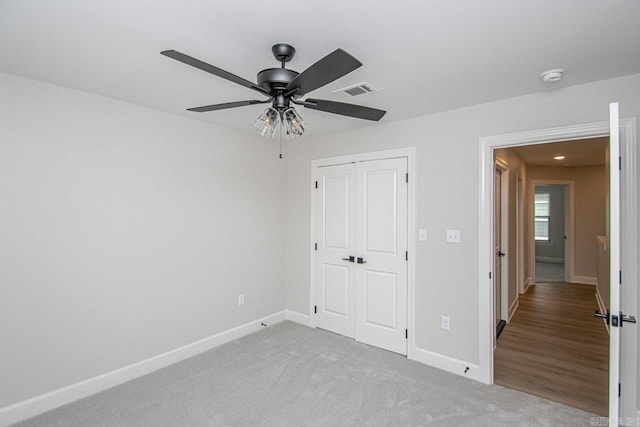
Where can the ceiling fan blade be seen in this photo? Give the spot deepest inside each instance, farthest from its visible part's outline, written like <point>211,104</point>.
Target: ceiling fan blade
<point>226,105</point>
<point>333,66</point>
<point>351,110</point>
<point>186,59</point>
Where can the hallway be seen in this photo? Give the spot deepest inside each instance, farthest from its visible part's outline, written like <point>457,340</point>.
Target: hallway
<point>554,347</point>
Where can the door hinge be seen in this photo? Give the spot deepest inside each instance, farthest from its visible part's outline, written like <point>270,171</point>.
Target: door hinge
<point>620,162</point>
<point>406,177</point>
<point>315,309</point>
<point>315,246</point>
<point>406,255</point>
<point>489,275</point>
<point>316,184</point>
<point>406,334</point>
<point>619,390</point>
<point>620,277</point>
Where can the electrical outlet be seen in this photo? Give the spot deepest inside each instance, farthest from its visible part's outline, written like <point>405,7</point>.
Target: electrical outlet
<point>422,234</point>
<point>241,299</point>
<point>445,322</point>
<point>453,236</point>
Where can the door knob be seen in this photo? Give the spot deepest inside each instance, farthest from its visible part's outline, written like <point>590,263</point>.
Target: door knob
<point>361,261</point>
<point>627,318</point>
<point>604,316</point>
<point>501,253</point>
<point>350,259</point>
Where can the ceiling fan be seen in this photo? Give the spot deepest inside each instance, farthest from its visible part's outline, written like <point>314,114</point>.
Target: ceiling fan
<point>284,87</point>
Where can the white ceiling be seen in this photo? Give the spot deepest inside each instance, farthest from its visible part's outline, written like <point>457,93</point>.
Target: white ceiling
<point>583,152</point>
<point>422,56</point>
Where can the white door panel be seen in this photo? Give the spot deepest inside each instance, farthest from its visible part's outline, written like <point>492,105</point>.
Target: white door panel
<point>614,254</point>
<point>335,277</point>
<point>380,211</point>
<point>380,295</point>
<point>336,290</point>
<point>497,271</point>
<point>336,210</point>
<point>381,243</point>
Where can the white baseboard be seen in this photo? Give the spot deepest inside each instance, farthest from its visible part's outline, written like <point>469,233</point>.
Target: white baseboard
<point>62,396</point>
<point>512,308</point>
<point>294,316</point>
<point>585,280</point>
<point>446,363</point>
<point>550,259</point>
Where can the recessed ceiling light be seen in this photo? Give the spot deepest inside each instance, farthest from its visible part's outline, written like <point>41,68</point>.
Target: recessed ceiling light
<point>558,158</point>
<point>551,76</point>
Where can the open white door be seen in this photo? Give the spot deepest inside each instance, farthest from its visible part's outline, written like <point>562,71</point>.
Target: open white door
<point>614,254</point>
<point>497,240</point>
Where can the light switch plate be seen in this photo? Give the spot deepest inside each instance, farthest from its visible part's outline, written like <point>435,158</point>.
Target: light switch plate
<point>453,236</point>
<point>422,234</point>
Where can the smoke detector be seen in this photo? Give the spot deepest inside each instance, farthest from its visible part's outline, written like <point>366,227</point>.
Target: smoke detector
<point>551,76</point>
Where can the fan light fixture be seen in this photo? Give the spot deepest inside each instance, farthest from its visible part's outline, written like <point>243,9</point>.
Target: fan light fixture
<point>293,123</point>
<point>267,123</point>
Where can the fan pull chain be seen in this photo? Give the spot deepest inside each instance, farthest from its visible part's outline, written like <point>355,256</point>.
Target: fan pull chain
<point>280,138</point>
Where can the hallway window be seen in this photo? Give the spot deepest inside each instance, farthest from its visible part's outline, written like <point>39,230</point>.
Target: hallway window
<point>542,209</point>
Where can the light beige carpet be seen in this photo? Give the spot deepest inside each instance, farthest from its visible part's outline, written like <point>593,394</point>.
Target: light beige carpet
<point>291,375</point>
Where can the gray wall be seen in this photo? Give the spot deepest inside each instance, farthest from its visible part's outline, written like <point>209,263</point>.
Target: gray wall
<point>554,248</point>
<point>447,195</point>
<point>126,232</point>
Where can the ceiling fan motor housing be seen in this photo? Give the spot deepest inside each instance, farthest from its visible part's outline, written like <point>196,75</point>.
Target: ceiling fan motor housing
<point>274,79</point>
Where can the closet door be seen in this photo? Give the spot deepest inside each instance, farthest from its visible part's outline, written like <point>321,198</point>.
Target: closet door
<point>381,245</point>
<point>334,260</point>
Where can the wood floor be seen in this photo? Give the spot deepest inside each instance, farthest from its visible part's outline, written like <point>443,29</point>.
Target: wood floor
<point>554,347</point>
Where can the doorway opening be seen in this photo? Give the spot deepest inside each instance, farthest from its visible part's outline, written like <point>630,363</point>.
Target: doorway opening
<point>623,255</point>
<point>541,349</point>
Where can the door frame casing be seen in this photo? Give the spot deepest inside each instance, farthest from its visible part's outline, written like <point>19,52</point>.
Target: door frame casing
<point>520,239</point>
<point>410,154</point>
<point>503,166</point>
<point>569,226</point>
<point>628,216</point>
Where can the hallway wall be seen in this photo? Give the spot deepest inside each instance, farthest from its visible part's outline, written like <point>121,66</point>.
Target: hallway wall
<point>590,184</point>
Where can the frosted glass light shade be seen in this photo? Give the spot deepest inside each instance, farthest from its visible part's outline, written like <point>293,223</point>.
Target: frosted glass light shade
<point>267,123</point>
<point>293,123</point>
